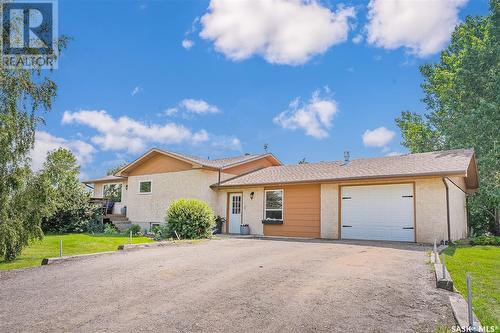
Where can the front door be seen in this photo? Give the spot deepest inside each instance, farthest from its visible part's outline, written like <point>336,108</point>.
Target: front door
<point>234,213</point>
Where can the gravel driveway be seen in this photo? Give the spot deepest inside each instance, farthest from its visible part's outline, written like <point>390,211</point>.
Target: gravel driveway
<point>231,285</point>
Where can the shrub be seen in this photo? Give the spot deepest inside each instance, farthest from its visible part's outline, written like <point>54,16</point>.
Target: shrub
<point>160,232</point>
<point>135,229</point>
<point>110,229</point>
<point>485,240</point>
<point>190,218</point>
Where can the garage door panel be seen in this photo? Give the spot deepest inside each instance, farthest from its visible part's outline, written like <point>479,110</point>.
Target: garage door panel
<point>379,212</point>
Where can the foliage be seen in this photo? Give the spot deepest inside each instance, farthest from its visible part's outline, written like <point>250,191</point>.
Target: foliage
<point>135,229</point>
<point>160,232</point>
<point>110,229</point>
<point>461,95</point>
<point>111,171</point>
<point>219,222</point>
<point>190,218</point>
<point>73,211</point>
<point>485,240</point>
<point>113,192</point>
<point>24,95</point>
<point>73,244</point>
<point>483,264</point>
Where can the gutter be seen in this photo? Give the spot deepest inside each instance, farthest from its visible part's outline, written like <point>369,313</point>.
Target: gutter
<point>447,208</point>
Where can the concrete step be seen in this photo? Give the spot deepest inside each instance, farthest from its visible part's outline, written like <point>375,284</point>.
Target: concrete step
<point>116,217</point>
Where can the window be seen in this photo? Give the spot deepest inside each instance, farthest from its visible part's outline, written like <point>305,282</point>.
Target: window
<point>236,205</point>
<point>274,205</point>
<point>112,192</point>
<point>145,187</point>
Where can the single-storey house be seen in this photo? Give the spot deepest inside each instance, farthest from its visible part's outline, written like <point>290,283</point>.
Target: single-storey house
<point>414,197</point>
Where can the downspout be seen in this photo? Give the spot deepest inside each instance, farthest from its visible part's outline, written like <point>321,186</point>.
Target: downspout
<point>218,180</point>
<point>447,208</point>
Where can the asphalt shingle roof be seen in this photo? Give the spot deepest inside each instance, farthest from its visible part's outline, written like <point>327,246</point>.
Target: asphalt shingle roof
<point>432,163</point>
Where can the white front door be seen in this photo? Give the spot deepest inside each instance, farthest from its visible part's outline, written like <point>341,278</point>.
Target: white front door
<point>234,213</point>
<point>378,212</point>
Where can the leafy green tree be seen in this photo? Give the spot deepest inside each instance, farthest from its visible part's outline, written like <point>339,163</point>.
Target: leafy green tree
<point>72,210</point>
<point>111,171</point>
<point>24,95</point>
<point>461,93</point>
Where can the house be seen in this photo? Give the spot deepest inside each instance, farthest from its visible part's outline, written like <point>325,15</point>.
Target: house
<point>414,197</point>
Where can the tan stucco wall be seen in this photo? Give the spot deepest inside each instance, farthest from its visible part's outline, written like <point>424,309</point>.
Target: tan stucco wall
<point>458,208</point>
<point>167,187</point>
<point>329,211</point>
<point>98,193</point>
<point>430,204</point>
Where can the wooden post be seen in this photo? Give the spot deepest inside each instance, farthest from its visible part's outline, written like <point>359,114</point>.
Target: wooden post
<point>130,238</point>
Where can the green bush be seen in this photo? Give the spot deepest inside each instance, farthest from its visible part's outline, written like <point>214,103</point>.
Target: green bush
<point>135,229</point>
<point>160,232</point>
<point>190,218</point>
<point>485,240</point>
<point>110,229</point>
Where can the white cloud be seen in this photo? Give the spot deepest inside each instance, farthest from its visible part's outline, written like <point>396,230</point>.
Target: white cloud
<point>198,106</point>
<point>357,39</point>
<point>422,27</point>
<point>378,137</point>
<point>315,117</point>
<point>187,43</point>
<point>281,31</point>
<point>171,111</point>
<point>45,142</point>
<point>136,90</point>
<point>126,134</point>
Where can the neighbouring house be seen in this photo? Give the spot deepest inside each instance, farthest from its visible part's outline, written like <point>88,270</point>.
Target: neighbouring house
<point>414,197</point>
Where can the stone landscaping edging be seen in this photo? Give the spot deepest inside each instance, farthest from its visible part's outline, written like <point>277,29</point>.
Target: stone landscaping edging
<point>49,261</point>
<point>127,247</point>
<point>457,301</point>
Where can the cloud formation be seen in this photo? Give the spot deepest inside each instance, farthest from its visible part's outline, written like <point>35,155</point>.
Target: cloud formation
<point>421,27</point>
<point>287,32</point>
<point>45,142</point>
<point>314,117</point>
<point>127,134</point>
<point>378,137</point>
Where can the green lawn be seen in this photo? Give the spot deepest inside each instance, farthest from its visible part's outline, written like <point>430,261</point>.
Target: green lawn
<point>483,262</point>
<point>72,244</point>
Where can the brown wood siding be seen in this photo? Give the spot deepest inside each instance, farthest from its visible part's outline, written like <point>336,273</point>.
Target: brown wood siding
<point>159,163</point>
<point>302,212</point>
<point>250,166</point>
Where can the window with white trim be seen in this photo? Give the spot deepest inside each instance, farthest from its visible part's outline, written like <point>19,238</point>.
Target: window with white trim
<point>145,187</point>
<point>273,205</point>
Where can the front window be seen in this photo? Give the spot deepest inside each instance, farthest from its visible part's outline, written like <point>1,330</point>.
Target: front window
<point>145,187</point>
<point>112,192</point>
<point>274,205</point>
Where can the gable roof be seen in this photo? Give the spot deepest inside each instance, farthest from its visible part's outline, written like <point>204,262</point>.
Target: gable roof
<point>198,162</point>
<point>444,163</point>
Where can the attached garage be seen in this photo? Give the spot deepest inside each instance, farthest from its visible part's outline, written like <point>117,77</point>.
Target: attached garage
<point>409,198</point>
<point>378,212</point>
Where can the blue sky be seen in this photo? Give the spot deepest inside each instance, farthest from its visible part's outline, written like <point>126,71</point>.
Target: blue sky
<point>307,78</point>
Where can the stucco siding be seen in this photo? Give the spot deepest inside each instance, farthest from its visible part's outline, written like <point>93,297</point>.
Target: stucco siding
<point>167,187</point>
<point>329,211</point>
<point>458,209</point>
<point>430,210</point>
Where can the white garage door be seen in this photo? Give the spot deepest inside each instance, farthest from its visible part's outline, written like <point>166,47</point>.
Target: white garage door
<point>378,212</point>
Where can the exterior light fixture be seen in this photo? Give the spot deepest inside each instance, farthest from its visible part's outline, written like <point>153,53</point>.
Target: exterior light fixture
<point>252,195</point>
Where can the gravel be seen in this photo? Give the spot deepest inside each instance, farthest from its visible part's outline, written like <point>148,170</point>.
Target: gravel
<point>236,285</point>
